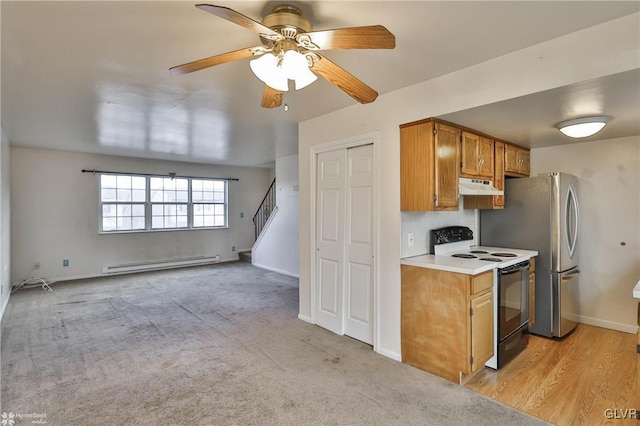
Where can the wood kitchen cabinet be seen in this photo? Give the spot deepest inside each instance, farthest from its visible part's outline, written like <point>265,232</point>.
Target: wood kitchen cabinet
<point>476,156</point>
<point>491,201</point>
<point>446,321</point>
<point>516,161</point>
<point>429,161</point>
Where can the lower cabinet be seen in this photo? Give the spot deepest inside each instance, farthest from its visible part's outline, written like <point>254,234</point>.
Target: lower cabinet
<point>446,321</point>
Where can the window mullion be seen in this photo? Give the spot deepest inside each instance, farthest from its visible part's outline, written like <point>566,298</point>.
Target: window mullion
<point>147,206</point>
<point>189,205</point>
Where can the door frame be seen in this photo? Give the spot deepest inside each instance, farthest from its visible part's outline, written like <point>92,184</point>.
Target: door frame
<point>372,138</point>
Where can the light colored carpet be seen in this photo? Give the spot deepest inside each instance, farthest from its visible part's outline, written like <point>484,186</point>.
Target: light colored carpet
<point>210,345</point>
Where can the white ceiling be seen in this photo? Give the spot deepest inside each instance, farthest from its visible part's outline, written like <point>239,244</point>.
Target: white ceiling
<point>93,76</point>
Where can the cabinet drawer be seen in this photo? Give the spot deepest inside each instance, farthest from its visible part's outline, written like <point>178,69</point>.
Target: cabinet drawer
<point>481,282</point>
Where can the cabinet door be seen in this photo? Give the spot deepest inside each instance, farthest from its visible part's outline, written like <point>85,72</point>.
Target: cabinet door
<point>516,160</point>
<point>498,174</point>
<point>446,166</point>
<point>485,152</point>
<point>525,163</point>
<point>511,159</point>
<point>417,167</point>
<point>481,330</point>
<point>469,154</point>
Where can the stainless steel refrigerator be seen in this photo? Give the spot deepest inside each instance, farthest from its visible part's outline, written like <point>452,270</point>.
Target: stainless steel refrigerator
<point>542,213</point>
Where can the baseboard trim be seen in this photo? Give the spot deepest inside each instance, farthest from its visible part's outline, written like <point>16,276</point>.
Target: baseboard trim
<point>305,318</point>
<point>4,305</point>
<point>389,354</point>
<point>280,271</point>
<point>54,280</point>
<point>626,328</point>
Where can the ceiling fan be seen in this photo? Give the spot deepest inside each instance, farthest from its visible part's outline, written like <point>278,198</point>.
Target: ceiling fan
<point>289,50</point>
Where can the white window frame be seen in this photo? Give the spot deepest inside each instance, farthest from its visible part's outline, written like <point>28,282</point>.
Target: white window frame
<point>148,205</point>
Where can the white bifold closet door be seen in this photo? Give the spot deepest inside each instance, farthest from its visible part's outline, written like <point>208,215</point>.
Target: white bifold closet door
<point>344,242</point>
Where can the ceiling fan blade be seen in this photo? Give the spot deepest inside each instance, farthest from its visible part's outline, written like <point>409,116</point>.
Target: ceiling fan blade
<point>240,19</point>
<point>370,37</point>
<point>343,80</point>
<point>271,98</point>
<point>212,60</point>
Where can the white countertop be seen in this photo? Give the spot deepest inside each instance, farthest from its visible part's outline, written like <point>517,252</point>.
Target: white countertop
<point>636,291</point>
<point>465,266</point>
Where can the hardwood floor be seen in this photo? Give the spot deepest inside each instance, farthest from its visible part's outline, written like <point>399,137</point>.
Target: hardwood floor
<point>590,377</point>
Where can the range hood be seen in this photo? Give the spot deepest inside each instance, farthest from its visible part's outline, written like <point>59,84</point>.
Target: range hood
<point>478,187</point>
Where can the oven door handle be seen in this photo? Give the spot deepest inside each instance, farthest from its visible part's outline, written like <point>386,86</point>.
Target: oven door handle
<point>515,268</point>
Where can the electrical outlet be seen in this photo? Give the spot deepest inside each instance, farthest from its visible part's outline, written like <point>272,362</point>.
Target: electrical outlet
<point>233,248</point>
<point>36,265</point>
<point>410,239</point>
<point>65,262</point>
<point>241,214</point>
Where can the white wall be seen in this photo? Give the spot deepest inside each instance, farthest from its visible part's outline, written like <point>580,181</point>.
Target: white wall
<point>609,243</point>
<point>5,224</point>
<point>277,248</point>
<point>420,223</point>
<point>552,64</point>
<point>55,210</point>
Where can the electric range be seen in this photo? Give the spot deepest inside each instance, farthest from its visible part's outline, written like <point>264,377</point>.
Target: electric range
<point>510,286</point>
<point>456,241</point>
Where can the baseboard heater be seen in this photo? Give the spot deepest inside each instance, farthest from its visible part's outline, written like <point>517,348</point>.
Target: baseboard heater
<point>159,264</point>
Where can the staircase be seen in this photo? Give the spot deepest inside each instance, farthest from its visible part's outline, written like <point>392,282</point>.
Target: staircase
<point>264,211</point>
<point>245,256</point>
<point>261,217</point>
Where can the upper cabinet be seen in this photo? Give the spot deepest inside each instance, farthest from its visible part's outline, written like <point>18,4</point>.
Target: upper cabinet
<point>434,154</point>
<point>516,161</point>
<point>429,164</point>
<point>491,201</point>
<point>476,156</point>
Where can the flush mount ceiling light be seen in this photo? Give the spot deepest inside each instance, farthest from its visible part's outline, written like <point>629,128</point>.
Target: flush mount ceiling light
<point>582,127</point>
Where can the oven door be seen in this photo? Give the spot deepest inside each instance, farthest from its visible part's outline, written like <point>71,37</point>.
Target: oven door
<point>513,298</point>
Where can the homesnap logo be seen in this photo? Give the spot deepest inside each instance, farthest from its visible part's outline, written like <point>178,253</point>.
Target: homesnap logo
<point>9,419</point>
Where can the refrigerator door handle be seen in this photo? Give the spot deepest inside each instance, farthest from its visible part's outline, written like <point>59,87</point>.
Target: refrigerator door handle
<point>570,275</point>
<point>571,206</point>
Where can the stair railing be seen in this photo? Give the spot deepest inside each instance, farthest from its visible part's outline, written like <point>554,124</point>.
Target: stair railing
<point>264,211</point>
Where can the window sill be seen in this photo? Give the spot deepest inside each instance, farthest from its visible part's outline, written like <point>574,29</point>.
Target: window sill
<point>147,231</point>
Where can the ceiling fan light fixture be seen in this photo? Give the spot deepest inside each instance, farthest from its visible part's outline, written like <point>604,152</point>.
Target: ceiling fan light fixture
<point>267,70</point>
<point>305,78</point>
<point>296,67</point>
<point>582,127</point>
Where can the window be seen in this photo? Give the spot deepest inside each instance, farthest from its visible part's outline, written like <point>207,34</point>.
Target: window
<point>123,202</point>
<point>209,202</point>
<point>169,203</point>
<point>152,203</point>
